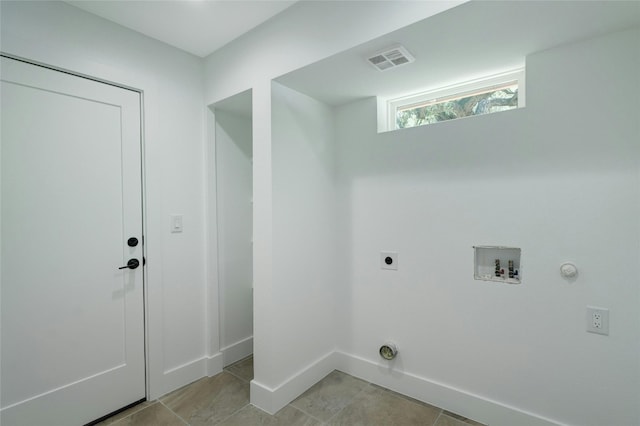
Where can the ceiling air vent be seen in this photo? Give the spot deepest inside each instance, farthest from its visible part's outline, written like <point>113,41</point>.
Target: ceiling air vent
<point>390,58</point>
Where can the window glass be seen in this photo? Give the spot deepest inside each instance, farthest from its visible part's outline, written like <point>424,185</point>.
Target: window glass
<point>485,101</point>
<point>486,95</point>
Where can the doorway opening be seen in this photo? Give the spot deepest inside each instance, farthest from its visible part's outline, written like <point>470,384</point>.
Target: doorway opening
<point>234,211</point>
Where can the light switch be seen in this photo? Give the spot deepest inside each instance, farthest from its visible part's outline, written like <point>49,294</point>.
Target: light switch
<point>176,223</point>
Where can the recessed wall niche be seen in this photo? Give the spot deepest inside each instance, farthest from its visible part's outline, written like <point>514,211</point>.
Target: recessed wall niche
<point>497,263</point>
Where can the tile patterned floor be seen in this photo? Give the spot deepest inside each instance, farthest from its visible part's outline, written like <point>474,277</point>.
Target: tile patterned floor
<point>337,400</point>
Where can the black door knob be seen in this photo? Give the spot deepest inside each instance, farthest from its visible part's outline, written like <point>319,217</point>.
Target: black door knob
<point>131,264</point>
<point>132,242</point>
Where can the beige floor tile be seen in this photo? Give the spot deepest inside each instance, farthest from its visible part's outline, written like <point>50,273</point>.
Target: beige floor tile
<point>154,415</point>
<point>377,407</point>
<point>125,413</point>
<point>408,398</point>
<point>252,416</point>
<point>242,368</point>
<point>209,400</point>
<point>339,400</point>
<point>464,421</point>
<point>330,395</point>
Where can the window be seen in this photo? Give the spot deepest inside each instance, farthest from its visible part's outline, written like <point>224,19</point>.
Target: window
<point>488,95</point>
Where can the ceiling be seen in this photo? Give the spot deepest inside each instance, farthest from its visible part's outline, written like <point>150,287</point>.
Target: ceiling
<point>472,40</point>
<point>197,26</point>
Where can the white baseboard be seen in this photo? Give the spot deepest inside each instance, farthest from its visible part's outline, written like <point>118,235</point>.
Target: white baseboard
<point>181,375</point>
<point>237,351</point>
<point>184,374</point>
<point>215,364</point>
<point>272,400</point>
<point>439,394</point>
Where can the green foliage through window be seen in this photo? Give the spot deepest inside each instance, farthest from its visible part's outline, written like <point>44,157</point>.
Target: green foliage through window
<point>480,102</point>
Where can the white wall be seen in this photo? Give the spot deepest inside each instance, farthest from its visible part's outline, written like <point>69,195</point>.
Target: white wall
<point>302,34</point>
<point>233,145</point>
<point>305,33</point>
<point>565,171</point>
<point>559,179</point>
<point>172,81</point>
<point>306,272</point>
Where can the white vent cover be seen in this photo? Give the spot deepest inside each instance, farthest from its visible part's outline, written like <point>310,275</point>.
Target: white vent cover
<point>390,58</point>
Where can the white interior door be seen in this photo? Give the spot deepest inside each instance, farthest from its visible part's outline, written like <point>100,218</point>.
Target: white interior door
<point>72,336</point>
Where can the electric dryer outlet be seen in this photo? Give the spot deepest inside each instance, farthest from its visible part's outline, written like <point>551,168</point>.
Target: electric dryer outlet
<point>389,260</point>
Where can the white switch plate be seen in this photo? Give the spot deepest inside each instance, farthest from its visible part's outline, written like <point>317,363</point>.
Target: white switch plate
<point>176,223</point>
<point>598,320</point>
<point>389,260</point>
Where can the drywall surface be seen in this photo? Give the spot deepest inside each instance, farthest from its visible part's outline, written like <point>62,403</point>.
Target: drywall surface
<point>63,36</point>
<point>233,144</point>
<point>305,280</point>
<point>305,33</point>
<point>558,179</point>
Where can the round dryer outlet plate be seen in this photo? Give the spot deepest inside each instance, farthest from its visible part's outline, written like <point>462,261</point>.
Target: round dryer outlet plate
<point>388,351</point>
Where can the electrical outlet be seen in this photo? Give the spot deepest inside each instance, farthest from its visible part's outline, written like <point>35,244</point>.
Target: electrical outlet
<point>598,320</point>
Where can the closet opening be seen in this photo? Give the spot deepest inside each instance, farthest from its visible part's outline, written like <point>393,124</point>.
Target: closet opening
<point>234,214</point>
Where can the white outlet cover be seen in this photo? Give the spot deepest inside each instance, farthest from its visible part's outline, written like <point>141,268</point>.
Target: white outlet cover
<point>389,260</point>
<point>597,320</point>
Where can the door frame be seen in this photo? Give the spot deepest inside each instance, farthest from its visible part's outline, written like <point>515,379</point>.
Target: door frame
<point>143,203</point>
<point>213,217</point>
